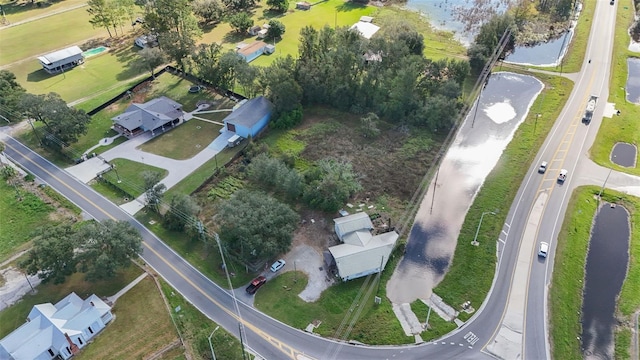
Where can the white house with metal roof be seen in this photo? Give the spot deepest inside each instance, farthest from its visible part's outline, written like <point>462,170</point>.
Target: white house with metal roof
<point>159,113</point>
<point>361,253</point>
<point>365,28</point>
<point>62,60</point>
<point>57,331</point>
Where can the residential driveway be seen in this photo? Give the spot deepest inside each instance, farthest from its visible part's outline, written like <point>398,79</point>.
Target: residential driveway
<point>178,169</point>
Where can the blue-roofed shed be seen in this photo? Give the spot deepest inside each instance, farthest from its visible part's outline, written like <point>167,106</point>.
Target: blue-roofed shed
<point>250,118</point>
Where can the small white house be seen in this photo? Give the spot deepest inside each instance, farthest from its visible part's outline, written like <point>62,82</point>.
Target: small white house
<point>57,331</point>
<point>366,29</point>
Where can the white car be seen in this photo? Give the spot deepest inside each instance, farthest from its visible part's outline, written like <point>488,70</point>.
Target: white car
<point>543,167</point>
<point>544,249</point>
<point>278,265</point>
<point>563,175</point>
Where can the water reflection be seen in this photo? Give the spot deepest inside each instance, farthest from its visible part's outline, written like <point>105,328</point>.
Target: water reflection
<point>605,272</point>
<point>633,80</point>
<point>503,105</point>
<point>544,54</point>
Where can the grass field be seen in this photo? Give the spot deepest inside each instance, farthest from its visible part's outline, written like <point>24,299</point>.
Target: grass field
<point>21,10</point>
<point>141,311</point>
<point>19,218</point>
<point>623,128</point>
<point>96,74</point>
<point>565,296</point>
<point>207,260</point>
<point>130,173</point>
<point>437,325</point>
<point>497,192</point>
<point>195,328</point>
<point>15,315</point>
<point>185,141</point>
<point>44,35</point>
<point>377,324</point>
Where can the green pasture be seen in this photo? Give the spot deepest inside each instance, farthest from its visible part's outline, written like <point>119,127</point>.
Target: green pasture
<point>45,35</point>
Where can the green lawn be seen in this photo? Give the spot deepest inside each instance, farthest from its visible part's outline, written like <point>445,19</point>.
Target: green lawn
<point>141,311</point>
<point>44,35</point>
<point>195,329</point>
<point>13,316</point>
<point>177,89</point>
<point>565,296</point>
<point>19,218</point>
<point>497,192</point>
<point>205,259</point>
<point>130,173</point>
<point>329,12</point>
<point>626,127</point>
<point>189,184</point>
<point>437,325</point>
<point>377,324</point>
<point>20,10</point>
<point>91,78</point>
<point>185,141</point>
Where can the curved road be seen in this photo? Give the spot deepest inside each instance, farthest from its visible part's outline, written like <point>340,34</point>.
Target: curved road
<point>274,340</point>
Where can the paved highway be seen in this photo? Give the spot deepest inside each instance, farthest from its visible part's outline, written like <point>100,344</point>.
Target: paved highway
<point>274,340</point>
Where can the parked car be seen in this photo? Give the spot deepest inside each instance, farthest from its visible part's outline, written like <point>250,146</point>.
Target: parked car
<point>256,284</point>
<point>544,249</point>
<point>278,265</point>
<point>543,167</point>
<point>563,175</point>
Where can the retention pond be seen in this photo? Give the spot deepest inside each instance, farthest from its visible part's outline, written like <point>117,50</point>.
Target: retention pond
<point>606,269</point>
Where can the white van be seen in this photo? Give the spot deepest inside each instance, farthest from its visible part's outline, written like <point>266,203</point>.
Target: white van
<point>234,140</point>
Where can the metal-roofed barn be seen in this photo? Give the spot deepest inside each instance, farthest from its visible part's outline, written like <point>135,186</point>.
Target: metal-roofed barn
<point>250,118</point>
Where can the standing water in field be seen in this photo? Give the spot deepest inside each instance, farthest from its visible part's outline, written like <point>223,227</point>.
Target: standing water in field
<point>605,272</point>
<point>478,145</point>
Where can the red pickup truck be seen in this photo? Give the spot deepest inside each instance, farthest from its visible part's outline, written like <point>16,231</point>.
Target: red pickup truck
<point>256,284</point>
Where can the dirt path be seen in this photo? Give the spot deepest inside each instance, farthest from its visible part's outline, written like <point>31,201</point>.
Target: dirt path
<point>34,18</point>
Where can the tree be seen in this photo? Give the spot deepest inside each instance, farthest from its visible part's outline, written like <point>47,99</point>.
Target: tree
<point>256,226</point>
<point>274,174</point>
<point>280,86</point>
<point>176,27</point>
<point>240,22</point>
<point>488,39</point>
<point>64,124</point>
<point>182,210</point>
<point>153,189</point>
<point>239,5</point>
<point>52,256</point>
<point>209,11</point>
<point>106,247</point>
<point>369,125</point>
<point>149,59</point>
<point>101,14</point>
<point>330,184</point>
<point>276,29</point>
<point>246,77</point>
<point>278,5</point>
<point>10,94</point>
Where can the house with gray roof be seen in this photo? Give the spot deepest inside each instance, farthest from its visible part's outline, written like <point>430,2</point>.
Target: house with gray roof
<point>61,60</point>
<point>250,118</point>
<point>57,331</point>
<point>157,114</point>
<point>361,252</point>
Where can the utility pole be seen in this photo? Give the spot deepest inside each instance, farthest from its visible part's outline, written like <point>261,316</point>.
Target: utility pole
<point>426,325</point>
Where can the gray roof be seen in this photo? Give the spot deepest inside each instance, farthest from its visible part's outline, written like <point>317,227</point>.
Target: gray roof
<point>358,221</point>
<point>250,113</point>
<point>150,115</point>
<point>60,55</point>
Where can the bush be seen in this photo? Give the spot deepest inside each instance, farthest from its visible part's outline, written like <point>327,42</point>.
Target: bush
<point>288,120</point>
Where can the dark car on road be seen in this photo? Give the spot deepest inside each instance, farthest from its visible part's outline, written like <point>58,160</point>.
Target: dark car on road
<point>256,284</point>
